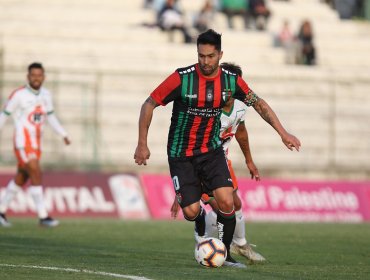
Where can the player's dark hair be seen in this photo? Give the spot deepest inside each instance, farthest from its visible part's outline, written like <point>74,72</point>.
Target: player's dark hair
<point>232,67</point>
<point>210,37</point>
<point>35,65</point>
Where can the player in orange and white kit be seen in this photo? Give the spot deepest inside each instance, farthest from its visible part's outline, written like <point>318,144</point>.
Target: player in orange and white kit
<point>30,106</point>
<point>232,124</point>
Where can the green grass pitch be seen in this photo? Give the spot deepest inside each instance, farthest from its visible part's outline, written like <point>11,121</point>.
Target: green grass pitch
<point>116,249</point>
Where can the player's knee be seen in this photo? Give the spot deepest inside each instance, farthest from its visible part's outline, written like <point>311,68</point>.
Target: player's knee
<point>33,166</point>
<point>226,204</point>
<point>191,212</point>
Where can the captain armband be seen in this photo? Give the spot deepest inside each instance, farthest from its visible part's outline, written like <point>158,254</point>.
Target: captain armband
<point>250,98</point>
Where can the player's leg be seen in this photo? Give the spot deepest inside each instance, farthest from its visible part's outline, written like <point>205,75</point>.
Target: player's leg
<point>11,191</point>
<point>239,234</point>
<point>13,187</point>
<point>211,224</point>
<point>196,213</point>
<point>240,245</point>
<point>216,176</point>
<point>211,216</point>
<point>188,192</point>
<point>226,222</point>
<point>225,215</point>
<point>36,191</point>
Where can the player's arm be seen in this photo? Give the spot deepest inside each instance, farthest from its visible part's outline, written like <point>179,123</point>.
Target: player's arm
<point>57,127</point>
<point>142,152</point>
<point>246,95</point>
<point>175,208</point>
<point>265,111</point>
<point>53,120</point>
<point>166,92</point>
<point>241,136</point>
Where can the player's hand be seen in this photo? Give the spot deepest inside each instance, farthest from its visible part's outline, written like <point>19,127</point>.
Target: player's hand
<point>253,171</point>
<point>142,153</point>
<point>66,141</point>
<point>291,141</point>
<point>175,208</point>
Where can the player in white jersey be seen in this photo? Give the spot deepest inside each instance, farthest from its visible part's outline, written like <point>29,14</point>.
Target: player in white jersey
<point>232,124</point>
<point>30,106</point>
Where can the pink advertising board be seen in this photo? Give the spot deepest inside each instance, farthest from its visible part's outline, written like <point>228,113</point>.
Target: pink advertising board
<point>78,194</point>
<point>127,196</point>
<point>279,200</point>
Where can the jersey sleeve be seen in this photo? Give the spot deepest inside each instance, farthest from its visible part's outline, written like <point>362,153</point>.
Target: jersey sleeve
<point>55,124</point>
<point>168,90</point>
<point>12,103</point>
<point>49,103</point>
<point>244,93</point>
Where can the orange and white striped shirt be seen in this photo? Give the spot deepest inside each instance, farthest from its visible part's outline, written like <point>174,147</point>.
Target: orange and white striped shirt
<point>29,109</point>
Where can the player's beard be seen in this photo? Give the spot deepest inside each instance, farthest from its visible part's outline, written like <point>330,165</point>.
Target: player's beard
<point>36,85</point>
<point>208,70</point>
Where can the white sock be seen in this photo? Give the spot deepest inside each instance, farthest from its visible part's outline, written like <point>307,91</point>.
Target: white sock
<point>10,192</point>
<point>38,198</point>
<point>211,224</point>
<point>239,233</point>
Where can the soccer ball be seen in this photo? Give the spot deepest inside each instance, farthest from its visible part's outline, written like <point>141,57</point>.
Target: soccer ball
<point>211,252</point>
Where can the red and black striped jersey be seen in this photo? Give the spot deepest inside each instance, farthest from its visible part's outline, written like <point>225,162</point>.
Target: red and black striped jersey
<point>197,103</point>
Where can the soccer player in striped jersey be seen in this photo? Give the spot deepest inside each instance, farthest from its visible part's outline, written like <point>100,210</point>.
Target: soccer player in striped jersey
<point>194,148</point>
<point>232,124</point>
<point>30,106</point>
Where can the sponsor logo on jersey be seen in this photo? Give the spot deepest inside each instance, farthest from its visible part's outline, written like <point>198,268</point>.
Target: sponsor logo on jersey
<point>37,117</point>
<point>204,112</point>
<point>190,95</point>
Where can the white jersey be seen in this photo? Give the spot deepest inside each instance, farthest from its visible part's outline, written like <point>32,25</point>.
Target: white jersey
<point>230,122</point>
<point>29,109</point>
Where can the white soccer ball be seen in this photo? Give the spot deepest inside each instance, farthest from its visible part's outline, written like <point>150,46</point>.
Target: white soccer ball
<point>211,252</point>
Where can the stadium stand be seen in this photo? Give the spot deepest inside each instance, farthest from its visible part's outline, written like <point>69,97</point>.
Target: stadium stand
<point>102,63</point>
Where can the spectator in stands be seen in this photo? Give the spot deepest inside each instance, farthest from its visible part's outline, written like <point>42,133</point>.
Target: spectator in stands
<point>260,13</point>
<point>170,18</point>
<point>285,35</point>
<point>306,48</point>
<point>205,16</point>
<point>347,8</point>
<point>232,8</point>
<point>147,4</point>
<point>285,39</point>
